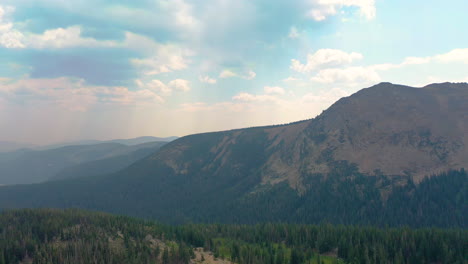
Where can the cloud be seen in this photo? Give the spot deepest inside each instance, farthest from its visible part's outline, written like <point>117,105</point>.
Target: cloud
<point>180,85</point>
<point>164,57</point>
<point>291,79</point>
<point>156,86</point>
<point>293,33</point>
<point>322,9</point>
<point>161,88</point>
<point>9,37</point>
<point>350,76</point>
<point>50,39</point>
<point>229,74</point>
<point>453,56</point>
<point>60,38</point>
<point>207,79</point>
<point>325,58</point>
<point>247,97</point>
<point>332,66</point>
<point>456,55</point>
<point>273,90</point>
<point>250,75</point>
<point>159,58</point>
<point>73,94</point>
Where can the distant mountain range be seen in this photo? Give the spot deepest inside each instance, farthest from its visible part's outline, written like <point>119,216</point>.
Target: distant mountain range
<point>128,142</point>
<point>7,146</point>
<point>365,160</point>
<point>32,166</point>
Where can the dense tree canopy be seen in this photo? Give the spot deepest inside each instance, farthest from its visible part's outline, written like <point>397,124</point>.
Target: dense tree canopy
<point>74,236</point>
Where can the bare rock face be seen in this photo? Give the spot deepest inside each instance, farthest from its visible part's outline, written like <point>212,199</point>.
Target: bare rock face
<point>400,130</point>
<point>388,129</point>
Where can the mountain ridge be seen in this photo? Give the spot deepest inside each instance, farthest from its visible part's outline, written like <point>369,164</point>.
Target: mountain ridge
<point>347,165</point>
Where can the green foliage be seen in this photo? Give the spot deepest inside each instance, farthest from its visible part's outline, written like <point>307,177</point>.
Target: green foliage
<point>344,196</point>
<point>74,236</point>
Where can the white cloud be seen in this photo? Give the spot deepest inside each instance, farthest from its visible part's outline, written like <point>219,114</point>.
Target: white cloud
<point>161,88</point>
<point>325,58</point>
<point>160,58</point>
<point>9,37</point>
<point>57,38</point>
<point>156,86</point>
<point>229,74</point>
<point>321,9</point>
<point>73,94</point>
<point>247,97</point>
<point>453,56</point>
<point>207,79</point>
<point>166,58</point>
<point>293,33</point>
<point>291,79</point>
<point>456,55</point>
<point>250,75</point>
<point>64,38</point>
<point>179,84</point>
<point>273,90</point>
<point>350,76</point>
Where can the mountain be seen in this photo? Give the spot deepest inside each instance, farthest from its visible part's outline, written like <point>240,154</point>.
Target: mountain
<point>77,236</point>
<point>127,142</point>
<point>109,165</point>
<point>33,166</point>
<point>365,160</point>
<point>7,146</point>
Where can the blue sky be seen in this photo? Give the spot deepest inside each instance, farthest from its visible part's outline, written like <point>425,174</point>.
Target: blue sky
<point>106,69</point>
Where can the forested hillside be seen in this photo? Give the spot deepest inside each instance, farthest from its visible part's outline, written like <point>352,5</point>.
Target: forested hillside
<point>343,197</point>
<point>74,236</point>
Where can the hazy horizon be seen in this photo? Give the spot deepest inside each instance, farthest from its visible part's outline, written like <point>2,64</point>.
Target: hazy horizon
<point>101,70</point>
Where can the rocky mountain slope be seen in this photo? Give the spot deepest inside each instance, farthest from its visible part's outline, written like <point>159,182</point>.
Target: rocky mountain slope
<point>388,129</point>
<point>365,160</point>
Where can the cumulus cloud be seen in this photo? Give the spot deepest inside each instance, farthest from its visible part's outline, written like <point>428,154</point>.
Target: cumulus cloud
<point>9,37</point>
<point>453,56</point>
<point>161,88</point>
<point>322,9</point>
<point>207,79</point>
<point>57,38</point>
<point>456,55</point>
<point>229,74</point>
<point>350,76</point>
<point>165,58</point>
<point>273,90</point>
<point>158,58</point>
<point>180,85</point>
<point>325,58</point>
<point>329,66</point>
<point>291,79</point>
<point>64,38</point>
<point>155,85</point>
<point>247,97</point>
<point>73,94</point>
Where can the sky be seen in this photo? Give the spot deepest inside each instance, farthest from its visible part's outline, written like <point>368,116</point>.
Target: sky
<point>105,69</point>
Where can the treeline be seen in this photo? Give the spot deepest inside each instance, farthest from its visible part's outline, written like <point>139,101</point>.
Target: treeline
<point>75,236</point>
